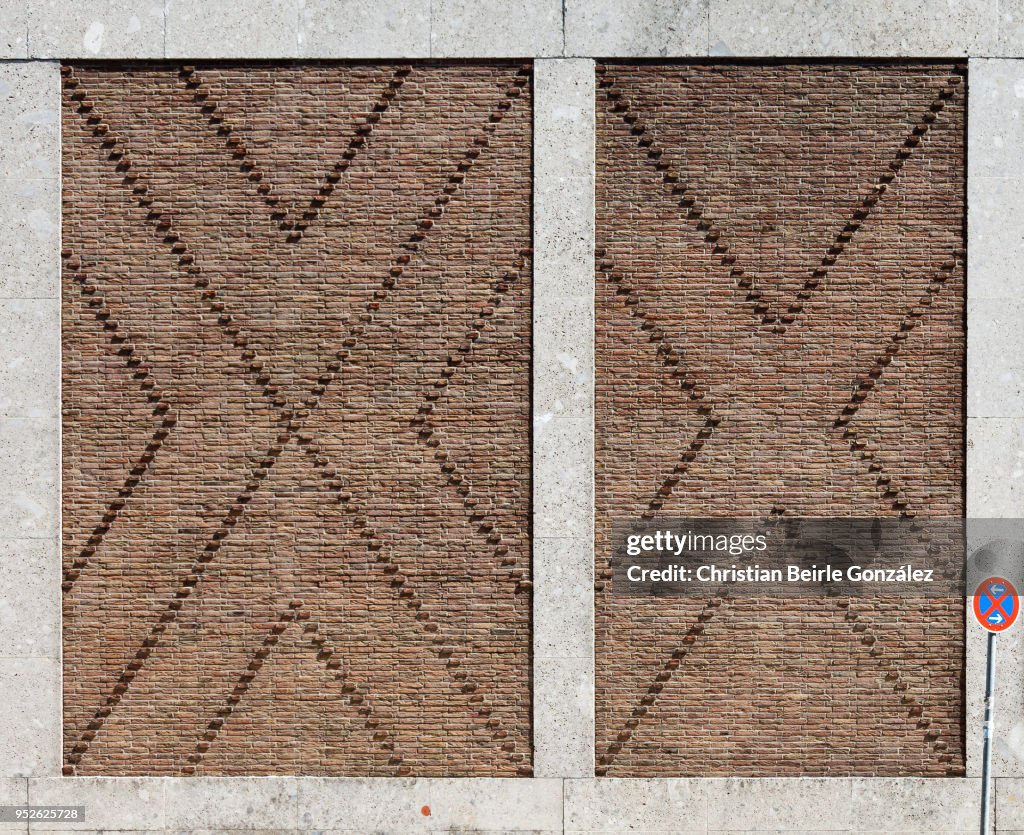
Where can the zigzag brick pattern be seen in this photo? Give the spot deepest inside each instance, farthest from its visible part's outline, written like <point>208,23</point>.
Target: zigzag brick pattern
<point>780,303</point>
<point>296,306</point>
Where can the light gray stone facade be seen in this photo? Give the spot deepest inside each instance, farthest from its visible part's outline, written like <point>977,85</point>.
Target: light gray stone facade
<point>995,370</point>
<point>30,674</point>
<point>564,38</point>
<point>497,28</point>
<point>563,418</point>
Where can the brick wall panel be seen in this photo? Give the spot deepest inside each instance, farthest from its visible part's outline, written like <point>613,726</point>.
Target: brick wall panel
<point>721,190</point>
<point>307,574</point>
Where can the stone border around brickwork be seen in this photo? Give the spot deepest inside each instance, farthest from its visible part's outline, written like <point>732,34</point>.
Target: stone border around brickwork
<point>30,607</point>
<point>537,805</point>
<point>563,417</point>
<point>995,368</point>
<point>562,793</point>
<point>377,29</point>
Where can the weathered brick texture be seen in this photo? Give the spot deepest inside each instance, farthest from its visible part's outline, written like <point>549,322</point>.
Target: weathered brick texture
<point>780,301</point>
<point>296,311</point>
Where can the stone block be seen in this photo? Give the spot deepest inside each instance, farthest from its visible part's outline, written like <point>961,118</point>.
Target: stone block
<point>636,28</point>
<point>111,803</point>
<point>564,119</point>
<point>563,468</point>
<point>995,357</point>
<point>563,357</point>
<point>995,467</point>
<point>97,29</point>
<point>498,804</point>
<point>563,212</point>
<point>495,29</point>
<point>908,803</point>
<point>29,478</point>
<point>232,29</point>
<point>30,240</point>
<point>231,803</point>
<point>1009,800</point>
<point>13,792</point>
<point>1008,736</point>
<point>802,803</point>
<point>564,186</point>
<point>29,120</point>
<point>563,598</point>
<point>1009,30</point>
<point>367,805</point>
<point>636,805</point>
<point>29,358</point>
<point>13,29</point>
<point>849,28</point>
<point>30,730</point>
<point>995,237</point>
<point>995,118</point>
<point>563,717</point>
<point>29,598</point>
<point>365,29</point>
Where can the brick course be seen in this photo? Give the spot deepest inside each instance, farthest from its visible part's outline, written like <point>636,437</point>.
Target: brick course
<point>296,313</point>
<point>780,303</point>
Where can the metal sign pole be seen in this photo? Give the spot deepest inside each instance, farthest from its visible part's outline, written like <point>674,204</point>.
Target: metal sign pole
<point>986,764</point>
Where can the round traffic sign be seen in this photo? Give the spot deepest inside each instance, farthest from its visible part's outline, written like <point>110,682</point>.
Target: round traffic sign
<point>996,604</point>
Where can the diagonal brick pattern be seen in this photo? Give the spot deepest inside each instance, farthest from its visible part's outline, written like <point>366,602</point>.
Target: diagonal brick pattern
<point>780,302</point>
<point>296,307</point>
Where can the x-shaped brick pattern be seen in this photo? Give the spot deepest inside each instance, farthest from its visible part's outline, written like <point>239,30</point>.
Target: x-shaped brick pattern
<point>763,397</point>
<point>477,311</point>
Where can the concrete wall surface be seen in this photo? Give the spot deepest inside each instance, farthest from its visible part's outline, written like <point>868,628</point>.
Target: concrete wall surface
<point>995,368</point>
<point>283,804</point>
<point>497,28</point>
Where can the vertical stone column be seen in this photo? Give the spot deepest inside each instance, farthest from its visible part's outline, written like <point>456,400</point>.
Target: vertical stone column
<point>995,372</point>
<point>563,418</point>
<point>30,721</point>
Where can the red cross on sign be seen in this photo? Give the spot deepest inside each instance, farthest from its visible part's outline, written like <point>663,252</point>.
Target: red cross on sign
<point>996,604</point>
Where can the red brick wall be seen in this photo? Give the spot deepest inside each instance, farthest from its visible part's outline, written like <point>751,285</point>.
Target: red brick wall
<point>296,311</point>
<point>780,300</point>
